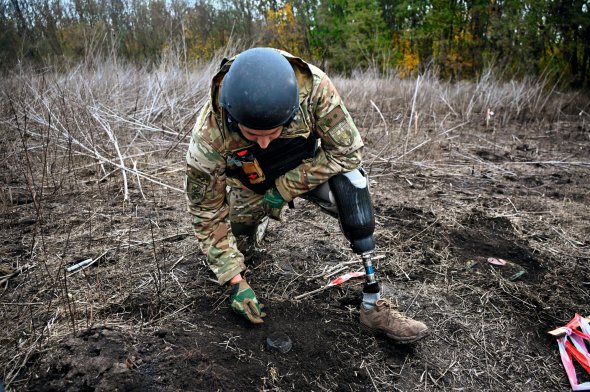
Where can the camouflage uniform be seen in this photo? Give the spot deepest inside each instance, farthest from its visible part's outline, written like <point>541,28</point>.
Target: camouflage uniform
<point>321,112</point>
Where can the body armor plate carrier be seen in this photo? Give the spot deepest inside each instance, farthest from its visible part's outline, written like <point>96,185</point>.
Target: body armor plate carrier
<point>258,168</point>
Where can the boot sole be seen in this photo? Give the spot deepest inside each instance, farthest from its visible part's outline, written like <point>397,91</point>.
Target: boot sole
<point>398,339</point>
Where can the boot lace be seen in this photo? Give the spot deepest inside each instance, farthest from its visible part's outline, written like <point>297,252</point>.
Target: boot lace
<point>392,310</point>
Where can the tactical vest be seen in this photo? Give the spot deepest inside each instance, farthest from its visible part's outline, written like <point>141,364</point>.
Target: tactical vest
<point>258,168</point>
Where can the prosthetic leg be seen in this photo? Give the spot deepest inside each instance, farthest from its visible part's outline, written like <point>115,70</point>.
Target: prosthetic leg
<point>349,193</point>
<point>347,197</point>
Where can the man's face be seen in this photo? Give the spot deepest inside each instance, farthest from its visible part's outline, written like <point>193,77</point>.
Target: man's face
<point>262,138</point>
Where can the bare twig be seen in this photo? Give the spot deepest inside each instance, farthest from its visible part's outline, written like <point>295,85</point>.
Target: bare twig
<point>106,127</point>
<point>14,274</point>
<point>412,113</point>
<point>138,178</point>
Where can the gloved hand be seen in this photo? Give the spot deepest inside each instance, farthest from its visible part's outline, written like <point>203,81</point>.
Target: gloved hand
<point>243,301</point>
<point>273,203</point>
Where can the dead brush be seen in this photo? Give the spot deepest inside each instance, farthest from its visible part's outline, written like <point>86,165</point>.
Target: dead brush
<point>92,165</point>
<point>415,117</point>
<point>69,135</point>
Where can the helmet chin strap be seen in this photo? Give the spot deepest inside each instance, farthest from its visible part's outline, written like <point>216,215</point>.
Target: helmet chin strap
<point>233,126</point>
<point>290,120</point>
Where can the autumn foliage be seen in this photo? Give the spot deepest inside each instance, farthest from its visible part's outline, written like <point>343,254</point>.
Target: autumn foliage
<point>458,39</point>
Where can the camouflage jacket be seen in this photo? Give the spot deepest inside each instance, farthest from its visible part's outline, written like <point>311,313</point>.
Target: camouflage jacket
<point>321,111</point>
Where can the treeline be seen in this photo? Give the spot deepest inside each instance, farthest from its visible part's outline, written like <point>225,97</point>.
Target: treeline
<point>456,38</point>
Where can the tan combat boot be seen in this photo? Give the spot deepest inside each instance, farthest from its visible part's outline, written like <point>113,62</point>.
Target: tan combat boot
<point>386,319</point>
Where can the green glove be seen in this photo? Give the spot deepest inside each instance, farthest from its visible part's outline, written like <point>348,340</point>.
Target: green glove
<point>273,203</point>
<point>243,301</point>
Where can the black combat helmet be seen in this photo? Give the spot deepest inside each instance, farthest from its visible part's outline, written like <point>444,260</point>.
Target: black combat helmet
<point>260,89</point>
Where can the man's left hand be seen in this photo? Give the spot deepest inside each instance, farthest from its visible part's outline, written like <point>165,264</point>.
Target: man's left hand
<point>273,203</point>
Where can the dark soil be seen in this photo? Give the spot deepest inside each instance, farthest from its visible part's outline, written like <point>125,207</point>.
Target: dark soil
<point>147,317</point>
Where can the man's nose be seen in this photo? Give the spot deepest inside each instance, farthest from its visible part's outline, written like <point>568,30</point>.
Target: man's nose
<point>263,142</point>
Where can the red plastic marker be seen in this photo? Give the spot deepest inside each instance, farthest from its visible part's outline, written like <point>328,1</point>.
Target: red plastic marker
<point>573,345</point>
<point>345,277</point>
